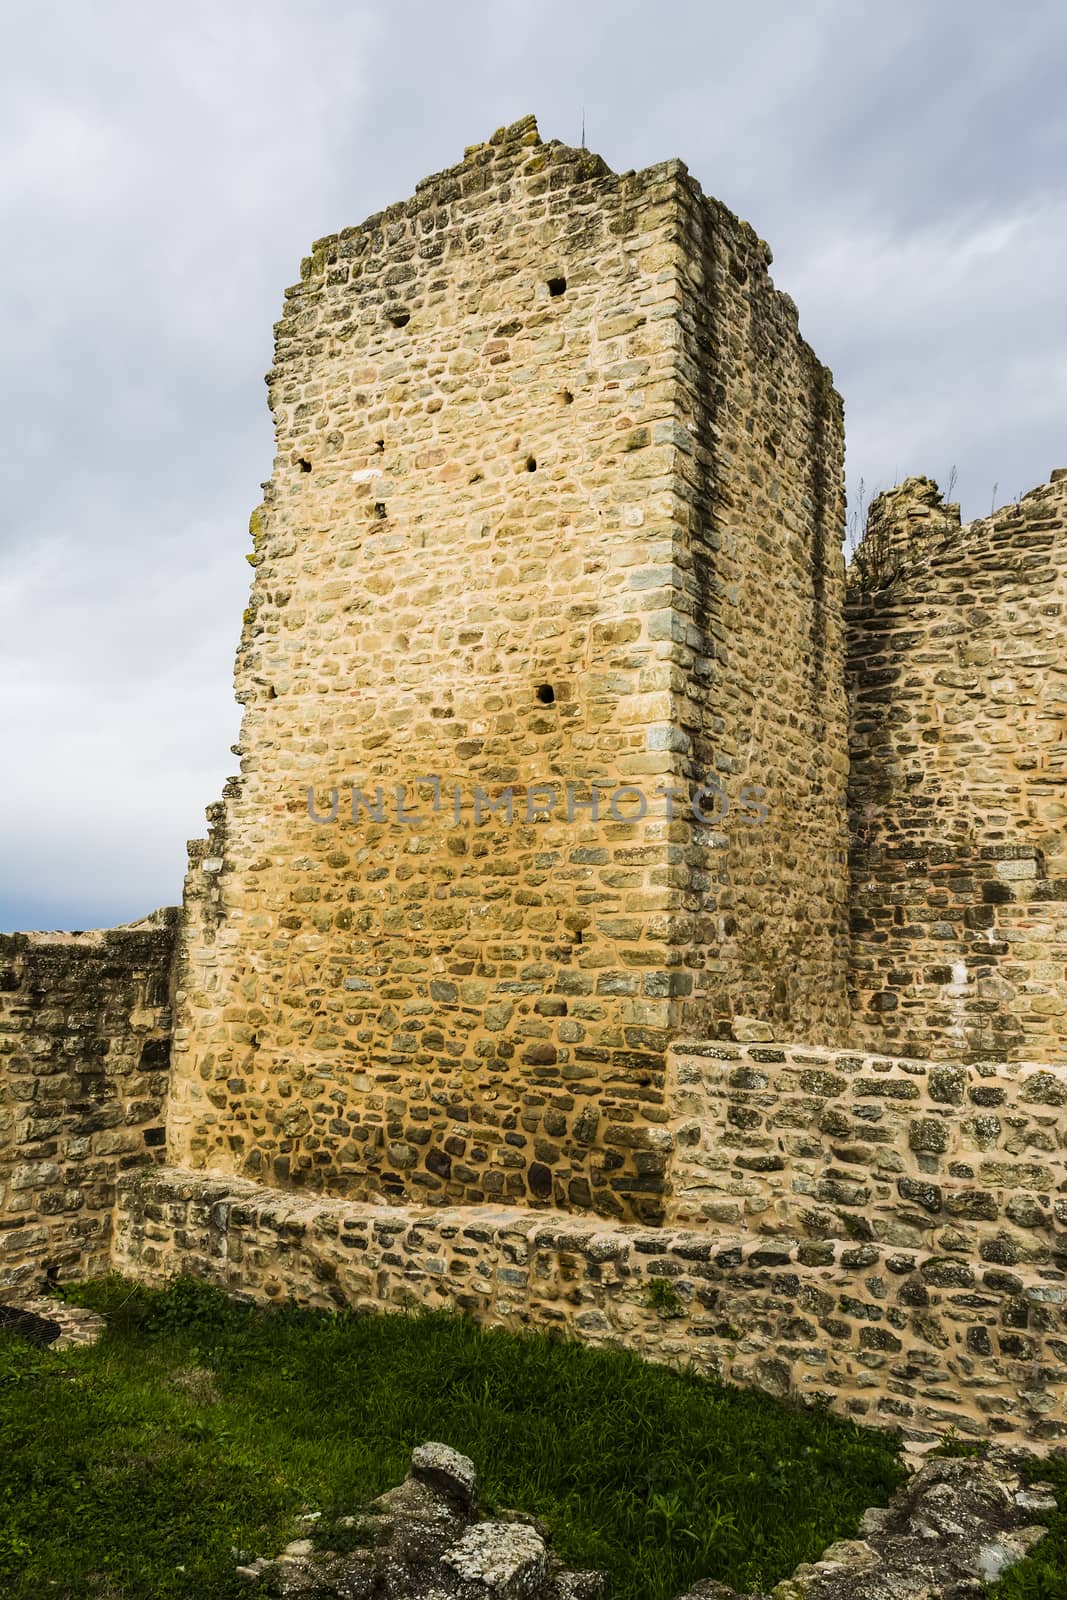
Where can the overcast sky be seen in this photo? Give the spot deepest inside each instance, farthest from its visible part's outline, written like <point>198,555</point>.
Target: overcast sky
<point>164,168</point>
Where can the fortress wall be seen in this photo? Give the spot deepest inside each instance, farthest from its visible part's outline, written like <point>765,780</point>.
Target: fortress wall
<point>556,513</point>
<point>498,410</point>
<point>959,778</point>
<point>84,1044</point>
<point>920,1341</point>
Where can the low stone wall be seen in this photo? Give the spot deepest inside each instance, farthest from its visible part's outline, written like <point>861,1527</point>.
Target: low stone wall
<point>965,1161</point>
<point>890,1335</point>
<point>84,1046</point>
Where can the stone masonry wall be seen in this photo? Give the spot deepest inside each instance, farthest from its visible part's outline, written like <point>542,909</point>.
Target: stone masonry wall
<point>894,1335</point>
<point>759,625</point>
<point>557,501</point>
<point>886,1235</point>
<point>84,1042</point>
<point>968,1161</point>
<point>556,513</point>
<point>958,792</point>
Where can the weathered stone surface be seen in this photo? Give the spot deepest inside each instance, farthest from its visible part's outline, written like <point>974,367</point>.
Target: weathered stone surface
<point>956,1523</point>
<point>751,1030</point>
<point>807,1143</point>
<point>505,1559</point>
<point>447,1473</point>
<point>419,1543</point>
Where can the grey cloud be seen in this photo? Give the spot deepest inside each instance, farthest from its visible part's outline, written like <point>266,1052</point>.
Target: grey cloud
<point>163,171</point>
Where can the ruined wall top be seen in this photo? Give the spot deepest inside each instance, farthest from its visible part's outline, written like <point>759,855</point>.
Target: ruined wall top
<point>902,524</point>
<point>913,522</point>
<point>958,781</point>
<point>483,162</point>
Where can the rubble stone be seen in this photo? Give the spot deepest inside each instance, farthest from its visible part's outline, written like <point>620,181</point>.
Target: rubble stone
<point>953,1527</point>
<point>421,1541</point>
<point>448,1473</point>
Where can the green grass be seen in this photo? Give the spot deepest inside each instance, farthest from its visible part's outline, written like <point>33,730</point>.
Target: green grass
<point>131,1470</point>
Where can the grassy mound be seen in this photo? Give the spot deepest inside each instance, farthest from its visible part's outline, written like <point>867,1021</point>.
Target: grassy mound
<point>198,1427</point>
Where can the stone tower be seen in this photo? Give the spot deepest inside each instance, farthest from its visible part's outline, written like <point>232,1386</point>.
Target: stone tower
<point>552,543</point>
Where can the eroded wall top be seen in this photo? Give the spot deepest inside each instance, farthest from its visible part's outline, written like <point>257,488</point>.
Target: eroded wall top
<point>958,794</point>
